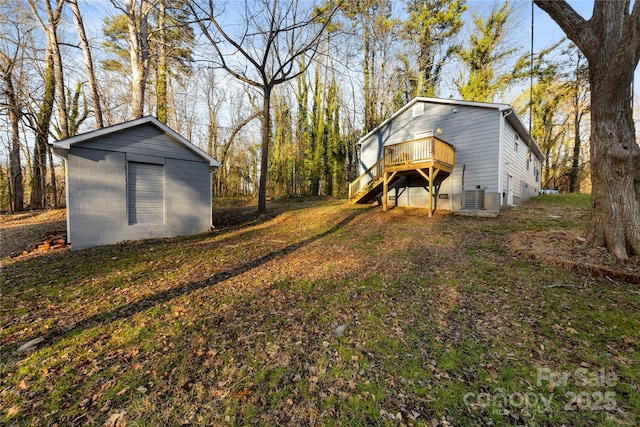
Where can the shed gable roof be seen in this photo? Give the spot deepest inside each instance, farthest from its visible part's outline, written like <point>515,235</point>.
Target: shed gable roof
<point>65,144</point>
<point>510,115</point>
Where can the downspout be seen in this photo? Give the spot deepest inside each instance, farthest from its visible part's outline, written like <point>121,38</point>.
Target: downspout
<point>464,168</point>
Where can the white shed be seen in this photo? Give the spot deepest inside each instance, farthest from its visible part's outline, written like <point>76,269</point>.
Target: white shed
<point>135,180</point>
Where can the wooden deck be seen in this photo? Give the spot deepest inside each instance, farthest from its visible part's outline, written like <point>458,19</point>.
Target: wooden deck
<point>430,158</point>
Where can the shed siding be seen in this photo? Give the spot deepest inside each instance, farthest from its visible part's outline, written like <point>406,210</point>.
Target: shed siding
<point>145,140</point>
<point>473,131</point>
<point>98,198</point>
<point>188,197</point>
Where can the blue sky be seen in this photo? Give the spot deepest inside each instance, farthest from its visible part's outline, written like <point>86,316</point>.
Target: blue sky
<point>546,31</point>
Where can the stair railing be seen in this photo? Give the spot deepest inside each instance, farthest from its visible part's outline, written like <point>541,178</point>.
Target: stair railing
<point>366,179</point>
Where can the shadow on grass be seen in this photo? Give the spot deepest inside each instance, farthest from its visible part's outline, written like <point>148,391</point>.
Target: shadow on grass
<point>225,216</point>
<point>130,309</point>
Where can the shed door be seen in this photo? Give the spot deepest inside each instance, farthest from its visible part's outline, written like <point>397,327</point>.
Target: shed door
<point>145,193</point>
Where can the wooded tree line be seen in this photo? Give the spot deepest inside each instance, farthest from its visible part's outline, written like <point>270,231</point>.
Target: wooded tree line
<point>326,74</point>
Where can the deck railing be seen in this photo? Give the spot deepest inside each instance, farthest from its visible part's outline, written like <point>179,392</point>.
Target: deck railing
<point>419,150</point>
<point>405,153</point>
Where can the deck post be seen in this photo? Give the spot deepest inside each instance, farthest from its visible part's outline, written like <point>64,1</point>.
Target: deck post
<point>385,189</point>
<point>430,191</point>
<point>430,178</point>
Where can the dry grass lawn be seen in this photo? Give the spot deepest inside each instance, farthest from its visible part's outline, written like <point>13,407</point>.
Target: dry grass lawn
<point>324,313</point>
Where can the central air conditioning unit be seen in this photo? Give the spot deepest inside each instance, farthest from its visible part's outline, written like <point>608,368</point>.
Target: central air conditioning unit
<point>473,199</point>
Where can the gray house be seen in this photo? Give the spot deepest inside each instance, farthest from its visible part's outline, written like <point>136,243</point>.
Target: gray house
<point>135,180</point>
<point>449,154</point>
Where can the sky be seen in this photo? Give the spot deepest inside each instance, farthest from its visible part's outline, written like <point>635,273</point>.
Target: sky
<point>546,31</point>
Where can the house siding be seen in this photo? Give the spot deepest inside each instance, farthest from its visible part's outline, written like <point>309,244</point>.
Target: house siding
<point>473,131</point>
<point>188,187</point>
<point>525,184</point>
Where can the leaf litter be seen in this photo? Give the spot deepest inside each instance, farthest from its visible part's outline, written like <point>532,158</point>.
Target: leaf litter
<point>325,313</point>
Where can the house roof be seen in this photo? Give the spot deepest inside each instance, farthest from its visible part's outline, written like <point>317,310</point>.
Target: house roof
<point>65,144</point>
<point>507,110</point>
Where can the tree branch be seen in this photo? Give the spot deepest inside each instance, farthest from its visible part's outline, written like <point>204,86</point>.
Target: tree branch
<point>575,26</point>
<point>215,43</point>
<point>630,41</point>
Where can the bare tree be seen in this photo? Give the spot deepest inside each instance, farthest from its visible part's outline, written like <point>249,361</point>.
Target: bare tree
<point>266,52</point>
<point>41,121</point>
<point>610,41</point>
<point>10,58</point>
<point>138,31</point>
<point>88,62</point>
<point>50,28</point>
<point>161,80</point>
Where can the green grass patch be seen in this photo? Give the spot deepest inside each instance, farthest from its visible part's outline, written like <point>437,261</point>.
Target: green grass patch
<point>565,199</point>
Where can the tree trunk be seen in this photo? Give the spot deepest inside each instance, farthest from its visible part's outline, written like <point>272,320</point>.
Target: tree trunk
<point>52,36</point>
<point>614,220</point>
<point>610,41</point>
<point>38,174</point>
<point>38,177</point>
<point>16,203</point>
<point>161,81</point>
<point>574,183</point>
<point>88,62</point>
<point>264,155</point>
<point>52,174</point>
<point>17,189</point>
<point>138,28</point>
<point>369,120</point>
<point>578,111</point>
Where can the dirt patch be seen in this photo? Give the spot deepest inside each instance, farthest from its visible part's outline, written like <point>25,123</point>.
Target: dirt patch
<point>566,249</point>
<point>555,241</point>
<point>19,231</point>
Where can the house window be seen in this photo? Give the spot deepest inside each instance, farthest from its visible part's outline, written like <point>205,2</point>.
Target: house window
<point>418,109</point>
<point>528,160</point>
<point>145,193</point>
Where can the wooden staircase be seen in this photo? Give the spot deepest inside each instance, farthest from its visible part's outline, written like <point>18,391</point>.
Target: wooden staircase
<point>430,158</point>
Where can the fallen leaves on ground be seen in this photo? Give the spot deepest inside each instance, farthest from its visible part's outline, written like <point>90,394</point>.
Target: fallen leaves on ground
<point>321,313</point>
